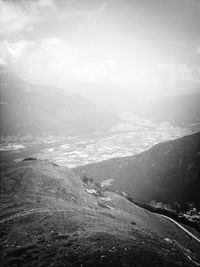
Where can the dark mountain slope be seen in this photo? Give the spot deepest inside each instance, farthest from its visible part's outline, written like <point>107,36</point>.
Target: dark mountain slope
<point>180,109</point>
<point>167,172</point>
<point>50,217</point>
<point>37,109</point>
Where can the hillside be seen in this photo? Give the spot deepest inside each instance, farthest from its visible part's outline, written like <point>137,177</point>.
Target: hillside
<point>167,172</point>
<point>35,109</point>
<point>50,217</point>
<point>179,109</point>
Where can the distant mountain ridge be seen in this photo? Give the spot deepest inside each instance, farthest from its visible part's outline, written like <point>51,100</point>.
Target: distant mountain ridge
<point>27,108</point>
<point>121,98</point>
<point>167,172</point>
<point>179,109</point>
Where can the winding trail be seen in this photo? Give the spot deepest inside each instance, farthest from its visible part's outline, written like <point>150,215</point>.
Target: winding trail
<point>25,213</point>
<point>183,228</point>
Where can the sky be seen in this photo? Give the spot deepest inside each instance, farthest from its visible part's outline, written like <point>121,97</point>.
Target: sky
<point>151,44</point>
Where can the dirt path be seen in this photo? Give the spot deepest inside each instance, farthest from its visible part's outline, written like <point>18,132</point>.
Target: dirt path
<point>25,213</point>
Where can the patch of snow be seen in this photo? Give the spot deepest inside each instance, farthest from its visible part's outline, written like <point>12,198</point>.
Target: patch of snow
<point>168,240</point>
<point>91,191</point>
<point>18,160</point>
<point>107,182</point>
<point>110,207</point>
<point>106,198</point>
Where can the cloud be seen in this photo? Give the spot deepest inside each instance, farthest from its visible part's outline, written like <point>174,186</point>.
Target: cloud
<point>12,53</point>
<point>102,8</point>
<point>102,72</point>
<point>198,50</point>
<point>50,60</point>
<point>45,3</point>
<point>19,17</point>
<point>95,12</point>
<point>16,18</point>
<point>169,74</point>
<point>53,60</point>
<point>195,3</point>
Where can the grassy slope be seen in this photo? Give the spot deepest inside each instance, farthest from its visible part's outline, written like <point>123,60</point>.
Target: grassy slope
<point>167,172</point>
<point>67,226</point>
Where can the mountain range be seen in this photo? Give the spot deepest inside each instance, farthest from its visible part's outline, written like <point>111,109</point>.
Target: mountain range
<point>179,107</point>
<point>178,110</point>
<point>36,109</point>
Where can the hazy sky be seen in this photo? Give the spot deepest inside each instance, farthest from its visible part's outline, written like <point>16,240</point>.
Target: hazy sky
<point>135,43</point>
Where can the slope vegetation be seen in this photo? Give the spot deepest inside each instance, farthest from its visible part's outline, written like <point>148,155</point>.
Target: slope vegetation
<point>51,217</point>
<point>167,172</point>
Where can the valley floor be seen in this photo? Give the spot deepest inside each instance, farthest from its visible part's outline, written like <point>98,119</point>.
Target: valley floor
<point>129,137</point>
